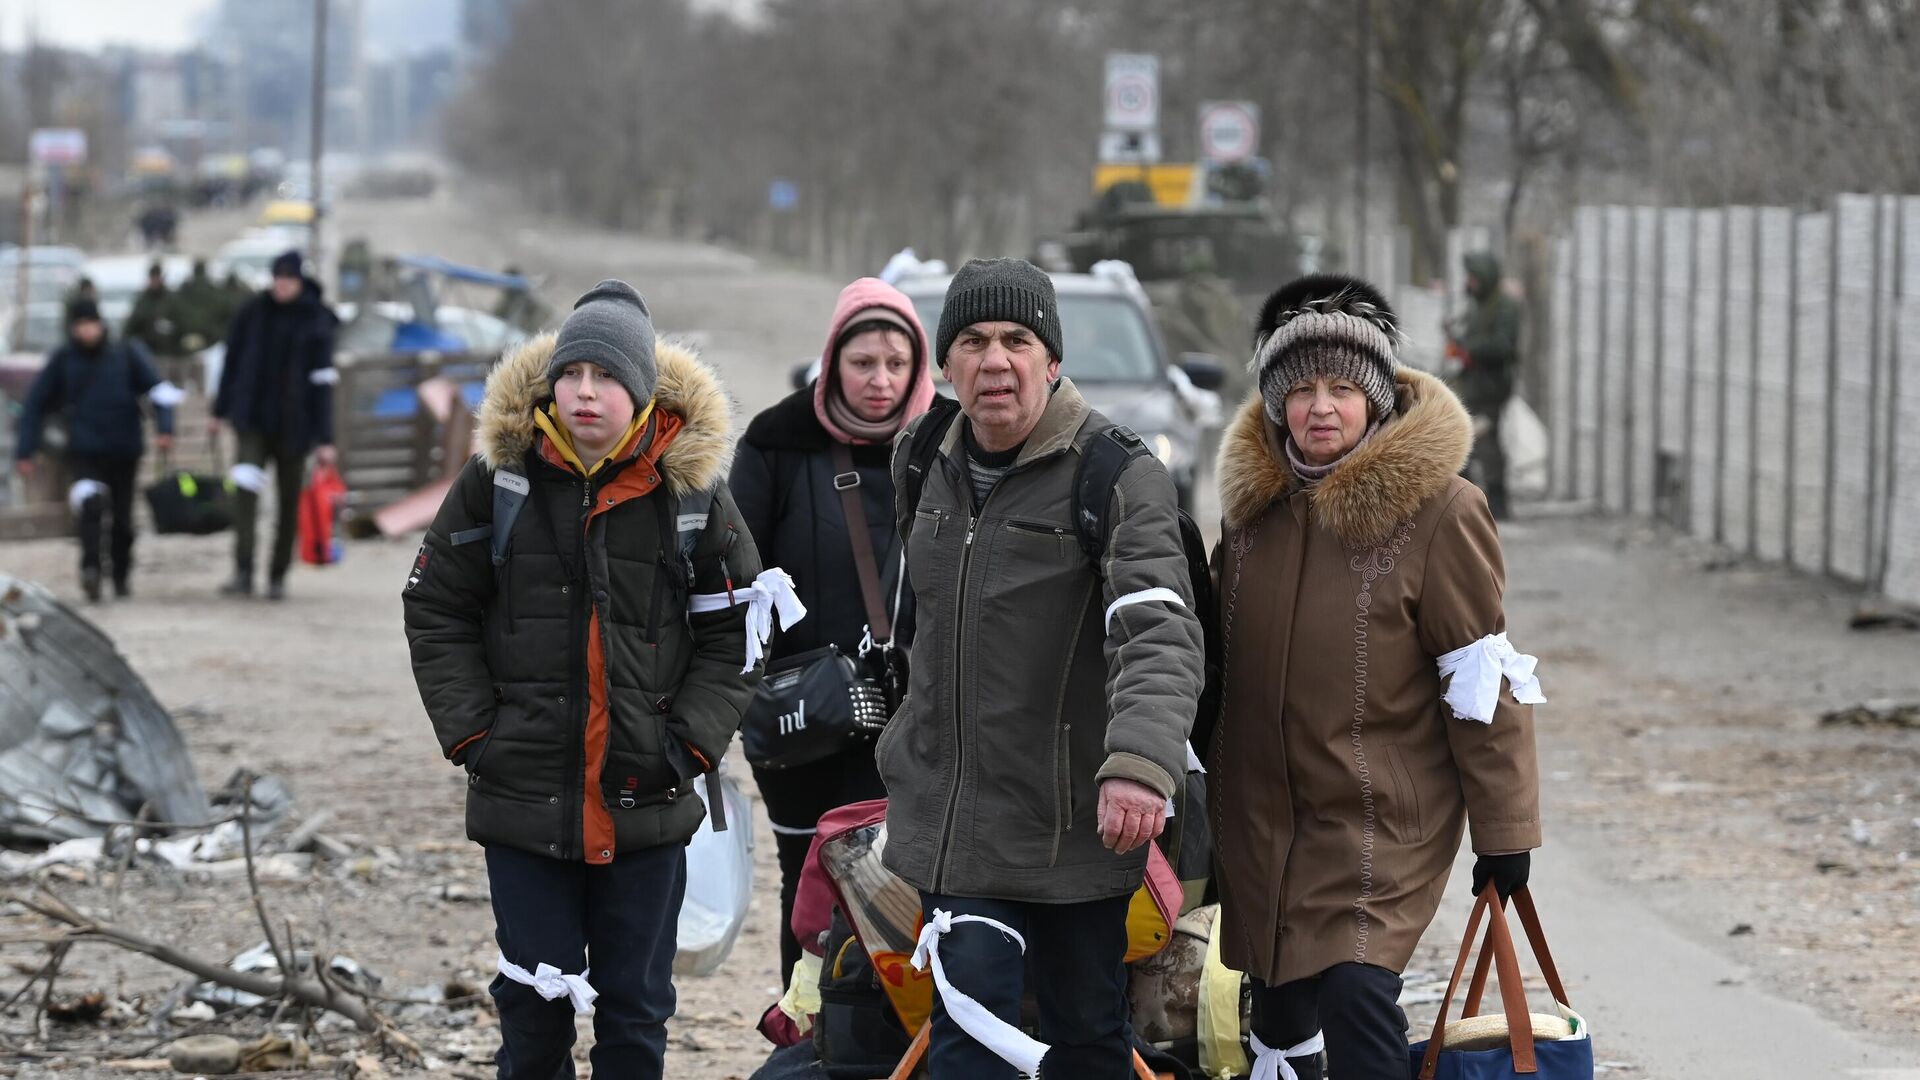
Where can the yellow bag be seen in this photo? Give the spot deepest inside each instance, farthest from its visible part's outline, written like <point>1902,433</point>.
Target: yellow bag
<point>1221,1052</point>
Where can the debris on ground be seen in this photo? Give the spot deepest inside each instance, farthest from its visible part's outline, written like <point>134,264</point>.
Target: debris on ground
<point>1884,617</point>
<point>83,741</point>
<point>1876,714</point>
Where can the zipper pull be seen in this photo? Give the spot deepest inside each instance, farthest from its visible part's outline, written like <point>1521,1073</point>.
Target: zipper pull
<point>971,521</point>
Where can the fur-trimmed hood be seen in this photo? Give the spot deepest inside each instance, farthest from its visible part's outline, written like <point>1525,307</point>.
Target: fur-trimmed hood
<point>1414,456</point>
<point>688,388</point>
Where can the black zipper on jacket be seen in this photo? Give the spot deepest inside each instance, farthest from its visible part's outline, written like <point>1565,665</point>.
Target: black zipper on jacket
<point>959,652</point>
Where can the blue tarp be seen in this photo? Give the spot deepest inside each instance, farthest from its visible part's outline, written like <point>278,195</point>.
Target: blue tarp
<point>434,264</point>
<point>404,401</point>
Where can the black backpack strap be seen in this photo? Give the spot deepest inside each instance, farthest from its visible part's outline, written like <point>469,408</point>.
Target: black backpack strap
<point>690,515</point>
<point>509,496</point>
<point>922,445</point>
<point>1101,464</point>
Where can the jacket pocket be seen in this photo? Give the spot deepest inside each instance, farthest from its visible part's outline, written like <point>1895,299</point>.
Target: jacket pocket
<point>1406,819</point>
<point>1041,528</point>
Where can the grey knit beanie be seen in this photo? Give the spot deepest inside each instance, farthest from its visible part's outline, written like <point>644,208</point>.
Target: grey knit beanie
<point>610,326</point>
<point>999,290</point>
<point>1326,325</point>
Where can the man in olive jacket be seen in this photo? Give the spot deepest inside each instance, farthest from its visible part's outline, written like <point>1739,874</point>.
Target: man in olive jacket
<point>1489,339</point>
<point>1050,701</point>
<point>590,674</point>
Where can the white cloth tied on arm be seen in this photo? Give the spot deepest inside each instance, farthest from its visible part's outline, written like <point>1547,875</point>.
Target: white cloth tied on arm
<point>770,594</point>
<point>1142,597</point>
<point>1271,1064</point>
<point>1009,1043</point>
<point>551,983</point>
<point>1475,672</point>
<point>166,395</point>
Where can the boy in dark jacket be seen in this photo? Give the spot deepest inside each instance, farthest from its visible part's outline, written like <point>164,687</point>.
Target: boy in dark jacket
<point>589,672</point>
<point>97,385</point>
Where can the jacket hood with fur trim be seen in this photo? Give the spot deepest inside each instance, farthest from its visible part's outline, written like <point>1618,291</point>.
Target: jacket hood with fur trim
<point>696,459</point>
<point>1413,457</point>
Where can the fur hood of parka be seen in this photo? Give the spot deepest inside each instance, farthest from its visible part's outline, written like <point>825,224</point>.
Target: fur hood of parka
<point>688,388</point>
<point>1413,456</point>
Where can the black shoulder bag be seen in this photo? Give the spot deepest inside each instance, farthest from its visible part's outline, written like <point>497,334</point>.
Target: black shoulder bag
<point>817,703</point>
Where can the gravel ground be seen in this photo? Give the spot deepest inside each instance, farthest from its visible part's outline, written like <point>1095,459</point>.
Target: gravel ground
<point>1685,764</point>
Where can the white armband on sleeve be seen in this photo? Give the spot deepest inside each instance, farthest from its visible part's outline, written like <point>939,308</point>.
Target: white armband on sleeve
<point>1475,672</point>
<point>770,595</point>
<point>166,395</point>
<point>325,376</point>
<point>1141,597</point>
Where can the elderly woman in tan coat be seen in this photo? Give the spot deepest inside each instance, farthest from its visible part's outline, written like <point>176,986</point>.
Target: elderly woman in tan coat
<point>1373,705</point>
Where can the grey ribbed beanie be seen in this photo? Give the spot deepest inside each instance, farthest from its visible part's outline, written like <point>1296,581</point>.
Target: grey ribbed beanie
<point>1331,325</point>
<point>999,290</point>
<point>610,326</point>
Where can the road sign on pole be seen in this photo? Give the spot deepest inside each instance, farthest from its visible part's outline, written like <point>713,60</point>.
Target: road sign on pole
<point>1129,147</point>
<point>58,146</point>
<point>1133,92</point>
<point>1229,131</point>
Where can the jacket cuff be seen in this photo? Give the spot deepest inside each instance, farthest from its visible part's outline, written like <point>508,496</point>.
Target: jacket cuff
<point>1504,837</point>
<point>1121,765</point>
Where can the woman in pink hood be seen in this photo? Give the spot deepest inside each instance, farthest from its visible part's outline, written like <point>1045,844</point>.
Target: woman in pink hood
<point>788,477</point>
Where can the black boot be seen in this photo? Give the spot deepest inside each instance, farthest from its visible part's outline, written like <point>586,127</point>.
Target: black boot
<point>277,588</point>
<point>90,583</point>
<point>122,588</point>
<point>240,584</point>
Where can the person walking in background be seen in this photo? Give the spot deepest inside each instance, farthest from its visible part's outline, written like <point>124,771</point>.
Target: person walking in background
<point>201,310</point>
<point>1045,729</point>
<point>1487,345</point>
<point>97,385</point>
<point>1358,571</point>
<point>276,392</point>
<point>152,320</point>
<point>797,464</point>
<point>582,660</point>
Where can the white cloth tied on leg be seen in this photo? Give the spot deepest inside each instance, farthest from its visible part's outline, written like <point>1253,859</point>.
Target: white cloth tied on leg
<point>551,983</point>
<point>770,594</point>
<point>1271,1064</point>
<point>1475,672</point>
<point>81,491</point>
<point>1009,1043</point>
<point>248,477</point>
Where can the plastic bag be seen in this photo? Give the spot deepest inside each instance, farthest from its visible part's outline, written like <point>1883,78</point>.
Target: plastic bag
<point>719,882</point>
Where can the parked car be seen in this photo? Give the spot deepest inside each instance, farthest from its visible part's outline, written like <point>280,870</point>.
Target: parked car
<point>1116,356</point>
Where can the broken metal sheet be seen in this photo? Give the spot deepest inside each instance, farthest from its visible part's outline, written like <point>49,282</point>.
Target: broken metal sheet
<point>81,736</point>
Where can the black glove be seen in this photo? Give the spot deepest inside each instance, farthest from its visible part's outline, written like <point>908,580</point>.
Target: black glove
<point>1507,872</point>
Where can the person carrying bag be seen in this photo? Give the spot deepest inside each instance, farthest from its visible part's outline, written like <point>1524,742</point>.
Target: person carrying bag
<point>813,484</point>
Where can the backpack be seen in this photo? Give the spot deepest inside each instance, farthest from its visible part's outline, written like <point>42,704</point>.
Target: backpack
<point>1187,841</point>
<point>857,1034</point>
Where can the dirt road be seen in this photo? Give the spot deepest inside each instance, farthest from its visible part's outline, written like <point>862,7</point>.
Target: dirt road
<point>1730,885</point>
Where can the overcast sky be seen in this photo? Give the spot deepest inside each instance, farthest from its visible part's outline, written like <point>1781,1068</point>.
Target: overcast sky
<point>393,26</point>
<point>89,24</point>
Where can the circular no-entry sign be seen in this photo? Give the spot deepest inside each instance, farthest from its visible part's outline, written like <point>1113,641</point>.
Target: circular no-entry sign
<point>1229,131</point>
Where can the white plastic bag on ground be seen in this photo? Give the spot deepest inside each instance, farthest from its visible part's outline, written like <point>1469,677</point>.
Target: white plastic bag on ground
<point>719,882</point>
